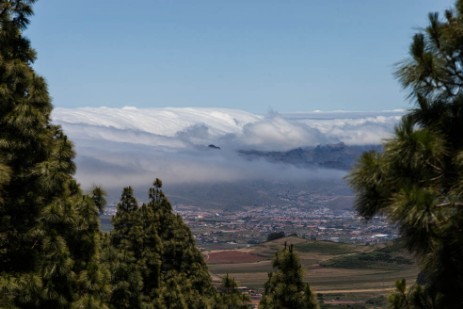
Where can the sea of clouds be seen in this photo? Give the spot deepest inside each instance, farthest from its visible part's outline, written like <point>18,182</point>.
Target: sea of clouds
<point>121,146</point>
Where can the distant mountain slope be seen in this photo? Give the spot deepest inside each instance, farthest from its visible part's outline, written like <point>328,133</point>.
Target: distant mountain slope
<point>335,156</point>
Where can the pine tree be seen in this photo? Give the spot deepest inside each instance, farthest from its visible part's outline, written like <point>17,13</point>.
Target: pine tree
<point>126,277</point>
<point>124,222</point>
<point>285,287</point>
<point>181,261</point>
<point>417,180</point>
<point>229,297</point>
<point>153,257</point>
<point>49,234</point>
<point>151,252</point>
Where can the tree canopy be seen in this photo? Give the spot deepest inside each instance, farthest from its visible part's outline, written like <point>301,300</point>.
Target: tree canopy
<point>153,257</point>
<point>49,230</point>
<point>229,296</point>
<point>417,180</point>
<point>285,287</point>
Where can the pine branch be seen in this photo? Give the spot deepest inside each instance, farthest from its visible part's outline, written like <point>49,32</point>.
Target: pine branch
<point>449,204</point>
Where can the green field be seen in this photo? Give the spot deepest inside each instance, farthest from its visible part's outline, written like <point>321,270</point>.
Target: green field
<point>342,273</point>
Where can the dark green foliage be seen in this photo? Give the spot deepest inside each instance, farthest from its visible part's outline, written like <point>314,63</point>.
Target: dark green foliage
<point>153,257</point>
<point>229,297</point>
<point>124,256</point>
<point>49,233</point>
<point>435,64</point>
<point>325,247</point>
<point>151,252</point>
<point>98,197</point>
<point>180,257</point>
<point>25,141</point>
<point>285,287</point>
<point>389,257</point>
<point>417,180</point>
<point>415,297</point>
<point>367,260</point>
<point>125,222</point>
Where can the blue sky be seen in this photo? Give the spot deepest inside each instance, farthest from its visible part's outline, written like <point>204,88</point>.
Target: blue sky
<point>254,55</point>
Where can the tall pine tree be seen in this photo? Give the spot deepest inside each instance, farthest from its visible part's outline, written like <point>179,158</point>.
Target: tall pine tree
<point>153,257</point>
<point>182,264</point>
<point>49,234</point>
<point>285,287</point>
<point>124,259</point>
<point>229,296</point>
<point>417,180</point>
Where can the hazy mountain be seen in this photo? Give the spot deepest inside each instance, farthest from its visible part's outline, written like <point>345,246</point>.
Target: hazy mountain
<point>334,156</point>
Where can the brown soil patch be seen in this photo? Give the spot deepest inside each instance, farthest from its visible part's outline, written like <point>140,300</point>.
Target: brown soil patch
<point>231,257</point>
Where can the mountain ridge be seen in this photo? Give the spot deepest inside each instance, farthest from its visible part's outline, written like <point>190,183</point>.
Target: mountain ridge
<point>335,156</point>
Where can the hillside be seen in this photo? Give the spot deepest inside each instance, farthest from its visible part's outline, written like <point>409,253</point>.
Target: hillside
<point>334,156</point>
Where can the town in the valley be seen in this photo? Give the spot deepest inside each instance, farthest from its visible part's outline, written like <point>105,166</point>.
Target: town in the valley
<point>311,218</point>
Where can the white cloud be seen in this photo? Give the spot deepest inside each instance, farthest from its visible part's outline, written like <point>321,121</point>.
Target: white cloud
<point>181,127</point>
<point>276,133</point>
<point>118,147</point>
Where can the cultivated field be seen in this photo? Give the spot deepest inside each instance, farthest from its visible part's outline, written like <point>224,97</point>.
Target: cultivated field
<point>341,273</point>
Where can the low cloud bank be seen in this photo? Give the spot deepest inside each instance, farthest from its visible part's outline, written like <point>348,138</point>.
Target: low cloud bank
<point>118,147</point>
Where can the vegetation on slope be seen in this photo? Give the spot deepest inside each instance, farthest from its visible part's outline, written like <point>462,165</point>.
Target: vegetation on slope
<point>383,258</point>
